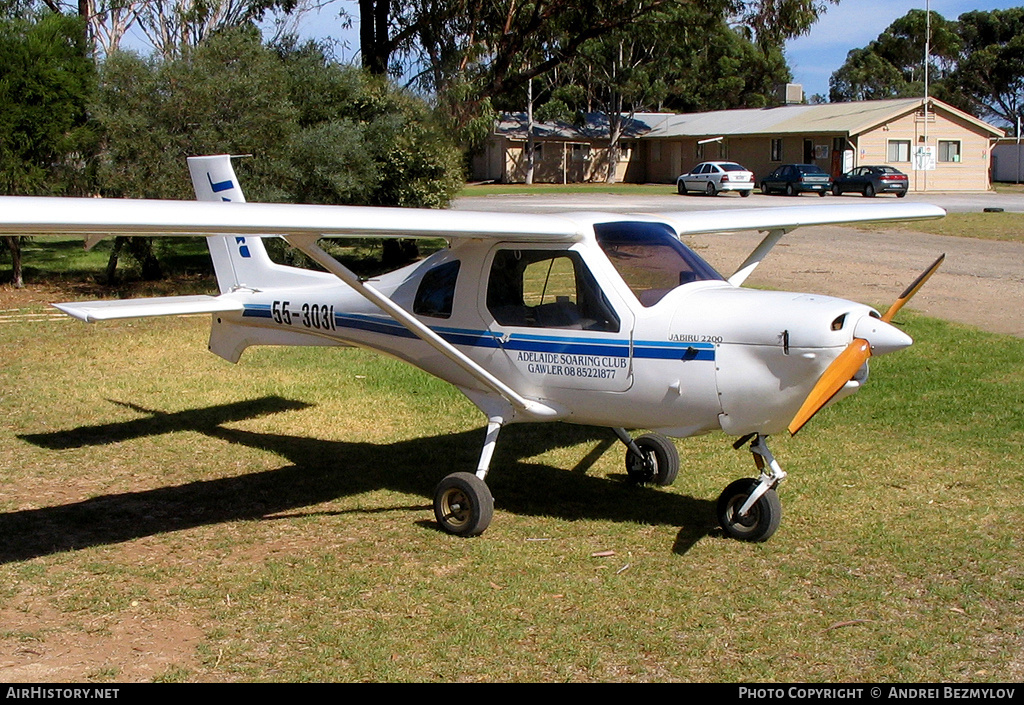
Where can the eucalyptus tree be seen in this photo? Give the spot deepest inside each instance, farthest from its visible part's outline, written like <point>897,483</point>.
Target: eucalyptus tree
<point>45,131</point>
<point>989,78</point>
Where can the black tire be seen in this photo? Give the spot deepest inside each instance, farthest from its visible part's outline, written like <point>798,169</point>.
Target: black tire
<point>710,190</point>
<point>660,464</point>
<point>463,504</point>
<point>681,187</point>
<point>901,194</point>
<point>764,188</point>
<point>869,191</point>
<point>744,194</point>
<point>761,521</point>
<point>836,191</point>
<point>822,193</point>
<point>790,191</point>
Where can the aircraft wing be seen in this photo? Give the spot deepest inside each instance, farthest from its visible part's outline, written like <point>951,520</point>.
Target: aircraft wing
<point>90,217</point>
<point>791,217</point>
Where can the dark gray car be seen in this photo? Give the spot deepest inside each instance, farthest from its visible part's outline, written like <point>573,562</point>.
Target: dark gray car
<point>794,179</point>
<point>870,180</point>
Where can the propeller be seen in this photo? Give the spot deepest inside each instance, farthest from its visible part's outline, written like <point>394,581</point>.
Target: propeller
<point>871,336</point>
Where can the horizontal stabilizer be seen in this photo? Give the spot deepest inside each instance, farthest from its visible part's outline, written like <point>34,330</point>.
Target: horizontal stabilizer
<point>92,311</point>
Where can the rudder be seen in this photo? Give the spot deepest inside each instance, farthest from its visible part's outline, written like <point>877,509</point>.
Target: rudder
<point>239,262</point>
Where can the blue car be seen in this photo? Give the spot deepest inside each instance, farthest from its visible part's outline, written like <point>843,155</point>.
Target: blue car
<point>794,179</point>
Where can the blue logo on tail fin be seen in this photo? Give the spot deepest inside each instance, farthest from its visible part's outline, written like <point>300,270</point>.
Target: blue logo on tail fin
<point>243,249</point>
<point>221,186</point>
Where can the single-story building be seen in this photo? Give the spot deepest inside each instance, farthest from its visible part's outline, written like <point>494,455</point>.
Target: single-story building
<point>563,153</point>
<point>938,146</point>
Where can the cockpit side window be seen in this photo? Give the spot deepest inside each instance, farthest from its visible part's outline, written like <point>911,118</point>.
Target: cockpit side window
<point>651,259</point>
<point>436,292</point>
<point>547,289</point>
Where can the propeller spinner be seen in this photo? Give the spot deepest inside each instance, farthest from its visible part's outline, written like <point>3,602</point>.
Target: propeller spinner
<point>872,336</point>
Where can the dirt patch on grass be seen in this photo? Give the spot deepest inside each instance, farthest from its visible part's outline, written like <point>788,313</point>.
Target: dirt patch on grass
<point>43,646</point>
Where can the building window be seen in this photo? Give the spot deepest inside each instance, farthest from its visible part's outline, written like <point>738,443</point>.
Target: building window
<point>949,150</point>
<point>899,151</point>
<point>776,155</point>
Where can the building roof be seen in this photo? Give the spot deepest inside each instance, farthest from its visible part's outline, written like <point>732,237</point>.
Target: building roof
<point>846,119</point>
<point>839,118</point>
<point>595,127</point>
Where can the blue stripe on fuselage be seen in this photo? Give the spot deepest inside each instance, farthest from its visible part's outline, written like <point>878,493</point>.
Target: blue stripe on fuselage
<point>579,345</point>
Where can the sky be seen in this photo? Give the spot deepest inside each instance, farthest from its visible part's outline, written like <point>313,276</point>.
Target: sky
<point>852,24</point>
<point>812,58</point>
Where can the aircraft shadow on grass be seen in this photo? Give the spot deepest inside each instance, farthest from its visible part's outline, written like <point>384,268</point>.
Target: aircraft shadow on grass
<point>322,470</point>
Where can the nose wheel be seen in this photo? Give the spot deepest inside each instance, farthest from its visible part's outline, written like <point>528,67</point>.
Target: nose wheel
<point>761,519</point>
<point>749,509</point>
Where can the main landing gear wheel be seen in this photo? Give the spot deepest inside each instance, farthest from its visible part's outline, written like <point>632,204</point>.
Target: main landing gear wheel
<point>760,522</point>
<point>463,504</point>
<point>658,464</point>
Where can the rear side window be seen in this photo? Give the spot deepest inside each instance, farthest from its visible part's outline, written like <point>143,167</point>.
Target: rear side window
<point>436,292</point>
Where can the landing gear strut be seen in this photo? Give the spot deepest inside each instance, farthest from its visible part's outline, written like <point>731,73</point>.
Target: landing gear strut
<point>749,509</point>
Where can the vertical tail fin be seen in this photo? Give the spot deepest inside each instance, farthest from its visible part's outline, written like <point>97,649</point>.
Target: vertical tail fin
<point>240,262</point>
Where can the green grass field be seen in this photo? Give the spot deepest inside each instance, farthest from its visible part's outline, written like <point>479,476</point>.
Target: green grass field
<point>169,516</point>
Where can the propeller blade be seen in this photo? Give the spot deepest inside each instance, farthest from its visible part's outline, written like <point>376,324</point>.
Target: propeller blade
<point>912,289</point>
<point>835,377</point>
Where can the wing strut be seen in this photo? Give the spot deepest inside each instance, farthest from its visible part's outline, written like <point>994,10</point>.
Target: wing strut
<point>759,253</point>
<point>307,244</point>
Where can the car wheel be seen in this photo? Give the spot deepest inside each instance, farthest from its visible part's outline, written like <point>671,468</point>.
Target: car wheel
<point>869,191</point>
<point>901,194</point>
<point>764,189</point>
<point>681,187</point>
<point>836,191</point>
<point>744,194</point>
<point>790,191</point>
<point>710,190</point>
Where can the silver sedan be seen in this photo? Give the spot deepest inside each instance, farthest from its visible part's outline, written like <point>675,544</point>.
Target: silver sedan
<point>714,177</point>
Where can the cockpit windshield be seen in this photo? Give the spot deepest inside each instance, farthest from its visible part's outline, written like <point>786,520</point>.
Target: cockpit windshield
<point>651,259</point>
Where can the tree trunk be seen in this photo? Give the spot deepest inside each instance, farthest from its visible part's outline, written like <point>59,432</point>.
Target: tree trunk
<point>373,35</point>
<point>115,253</point>
<point>14,244</point>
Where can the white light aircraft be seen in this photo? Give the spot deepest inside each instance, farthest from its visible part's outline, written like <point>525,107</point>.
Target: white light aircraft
<point>590,318</point>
